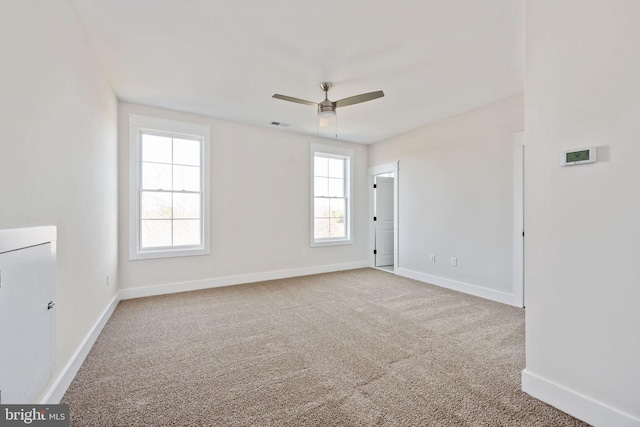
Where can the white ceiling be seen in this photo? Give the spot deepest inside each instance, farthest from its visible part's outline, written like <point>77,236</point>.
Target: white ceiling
<point>225,59</point>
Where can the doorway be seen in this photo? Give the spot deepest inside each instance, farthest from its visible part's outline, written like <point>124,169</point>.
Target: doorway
<point>384,213</point>
<point>383,219</point>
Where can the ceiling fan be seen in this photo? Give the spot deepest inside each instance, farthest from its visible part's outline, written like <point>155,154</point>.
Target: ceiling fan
<point>327,108</point>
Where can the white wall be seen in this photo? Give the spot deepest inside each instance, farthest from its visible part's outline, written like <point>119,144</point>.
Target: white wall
<point>58,155</point>
<point>456,199</point>
<point>259,208</point>
<point>583,222</point>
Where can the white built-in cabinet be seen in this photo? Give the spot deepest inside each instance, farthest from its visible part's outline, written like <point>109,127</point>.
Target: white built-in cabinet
<point>27,312</point>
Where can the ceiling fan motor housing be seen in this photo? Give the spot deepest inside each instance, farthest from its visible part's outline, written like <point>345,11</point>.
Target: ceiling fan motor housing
<point>326,108</point>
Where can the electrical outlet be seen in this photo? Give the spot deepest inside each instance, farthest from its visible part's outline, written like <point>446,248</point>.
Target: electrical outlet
<point>433,258</point>
<point>454,262</point>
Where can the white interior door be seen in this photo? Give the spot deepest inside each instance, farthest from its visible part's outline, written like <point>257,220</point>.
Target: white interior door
<point>383,204</point>
<point>26,353</point>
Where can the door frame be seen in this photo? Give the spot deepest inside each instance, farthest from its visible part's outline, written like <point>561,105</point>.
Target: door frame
<point>518,217</point>
<point>393,167</point>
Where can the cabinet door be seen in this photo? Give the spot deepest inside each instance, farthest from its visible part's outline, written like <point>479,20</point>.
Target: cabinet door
<point>26,323</point>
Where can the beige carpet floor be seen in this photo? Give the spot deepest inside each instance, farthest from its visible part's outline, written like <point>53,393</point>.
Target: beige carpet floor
<point>355,348</point>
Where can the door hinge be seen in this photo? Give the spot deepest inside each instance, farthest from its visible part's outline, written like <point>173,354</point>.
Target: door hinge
<point>375,185</point>
<point>375,218</point>
<point>375,252</point>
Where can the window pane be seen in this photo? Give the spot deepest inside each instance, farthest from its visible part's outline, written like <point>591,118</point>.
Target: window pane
<point>321,207</point>
<point>337,228</point>
<point>336,168</point>
<point>155,233</point>
<point>155,205</point>
<point>320,166</point>
<point>336,187</point>
<point>186,152</point>
<point>320,187</point>
<point>156,176</point>
<point>186,232</point>
<point>186,178</point>
<point>337,208</point>
<point>186,205</point>
<point>321,228</point>
<point>156,148</point>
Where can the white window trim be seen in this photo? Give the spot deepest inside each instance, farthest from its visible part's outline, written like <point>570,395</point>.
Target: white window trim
<point>338,151</point>
<point>138,124</point>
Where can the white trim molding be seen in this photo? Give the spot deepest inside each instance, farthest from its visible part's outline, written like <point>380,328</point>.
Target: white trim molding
<point>518,216</point>
<point>195,285</point>
<point>385,168</point>
<point>172,128</point>
<point>575,404</point>
<point>347,155</point>
<point>62,382</point>
<point>466,288</point>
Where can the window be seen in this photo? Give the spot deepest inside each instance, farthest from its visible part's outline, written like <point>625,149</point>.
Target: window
<point>169,197</point>
<point>330,195</point>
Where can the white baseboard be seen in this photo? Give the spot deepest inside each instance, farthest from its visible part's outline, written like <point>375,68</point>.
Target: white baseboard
<point>466,288</point>
<point>59,387</point>
<point>575,404</point>
<point>169,288</point>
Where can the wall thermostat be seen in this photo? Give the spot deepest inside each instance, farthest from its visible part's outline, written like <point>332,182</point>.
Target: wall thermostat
<point>578,156</point>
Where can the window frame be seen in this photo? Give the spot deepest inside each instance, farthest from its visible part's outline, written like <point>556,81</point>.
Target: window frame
<point>138,125</point>
<point>347,155</point>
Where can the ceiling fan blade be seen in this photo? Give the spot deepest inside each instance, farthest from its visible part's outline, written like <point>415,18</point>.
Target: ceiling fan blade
<point>292,99</point>
<point>359,98</point>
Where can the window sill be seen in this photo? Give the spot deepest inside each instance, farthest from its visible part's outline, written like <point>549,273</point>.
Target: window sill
<point>331,242</point>
<point>167,253</point>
